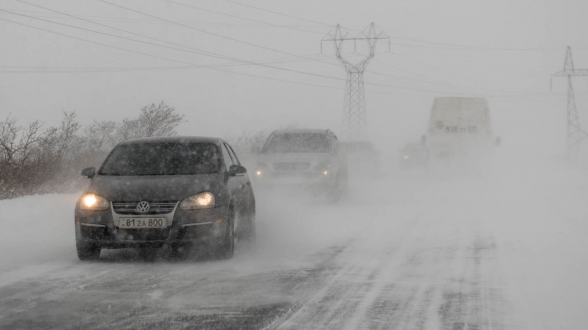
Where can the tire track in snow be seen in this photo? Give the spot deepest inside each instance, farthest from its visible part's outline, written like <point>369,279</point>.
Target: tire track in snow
<point>451,284</point>
<point>335,306</point>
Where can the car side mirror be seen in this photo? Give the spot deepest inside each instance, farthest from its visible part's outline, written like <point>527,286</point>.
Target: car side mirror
<point>237,170</point>
<point>89,172</point>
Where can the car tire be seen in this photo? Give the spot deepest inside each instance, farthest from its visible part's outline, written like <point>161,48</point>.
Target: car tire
<point>249,233</point>
<point>226,248</point>
<point>88,251</point>
<point>334,194</point>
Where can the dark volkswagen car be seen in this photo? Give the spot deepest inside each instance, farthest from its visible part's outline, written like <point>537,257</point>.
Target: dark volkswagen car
<point>172,191</point>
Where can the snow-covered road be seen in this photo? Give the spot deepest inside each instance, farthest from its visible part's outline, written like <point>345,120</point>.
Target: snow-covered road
<point>501,247</point>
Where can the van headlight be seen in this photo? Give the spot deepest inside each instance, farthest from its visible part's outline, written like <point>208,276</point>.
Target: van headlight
<point>203,200</point>
<point>93,202</point>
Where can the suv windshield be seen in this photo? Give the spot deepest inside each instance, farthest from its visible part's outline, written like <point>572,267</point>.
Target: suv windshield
<point>162,159</point>
<point>297,143</point>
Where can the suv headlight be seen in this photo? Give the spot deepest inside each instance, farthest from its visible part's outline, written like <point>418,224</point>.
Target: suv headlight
<point>203,200</point>
<point>93,202</point>
<point>261,170</point>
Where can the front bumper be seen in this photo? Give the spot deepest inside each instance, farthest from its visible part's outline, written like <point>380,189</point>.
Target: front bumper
<point>314,181</point>
<point>100,228</point>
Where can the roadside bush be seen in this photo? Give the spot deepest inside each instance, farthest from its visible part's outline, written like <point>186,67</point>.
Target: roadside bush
<point>34,160</point>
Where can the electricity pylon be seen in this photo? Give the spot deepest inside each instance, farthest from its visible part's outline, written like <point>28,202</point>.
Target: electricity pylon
<point>575,133</point>
<point>354,113</point>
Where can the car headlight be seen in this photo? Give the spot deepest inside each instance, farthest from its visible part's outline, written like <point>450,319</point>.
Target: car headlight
<point>261,170</point>
<point>93,202</point>
<point>203,200</point>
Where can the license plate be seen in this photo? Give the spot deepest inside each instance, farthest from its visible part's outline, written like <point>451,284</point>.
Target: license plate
<point>142,223</point>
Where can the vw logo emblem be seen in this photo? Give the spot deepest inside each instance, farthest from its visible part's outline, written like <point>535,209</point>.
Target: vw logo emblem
<point>143,207</point>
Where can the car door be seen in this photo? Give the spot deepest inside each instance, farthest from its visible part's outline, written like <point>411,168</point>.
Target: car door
<point>238,185</point>
<point>245,182</point>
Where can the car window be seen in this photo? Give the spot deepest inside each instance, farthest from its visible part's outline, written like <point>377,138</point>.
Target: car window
<point>162,159</point>
<point>335,143</point>
<point>227,156</point>
<point>233,154</point>
<point>297,143</point>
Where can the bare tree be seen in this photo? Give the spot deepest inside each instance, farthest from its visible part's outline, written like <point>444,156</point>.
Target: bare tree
<point>66,137</point>
<point>100,135</point>
<point>158,120</point>
<point>16,142</point>
<point>34,161</point>
<point>154,120</point>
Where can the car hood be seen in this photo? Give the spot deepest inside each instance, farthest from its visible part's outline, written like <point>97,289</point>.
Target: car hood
<point>153,188</point>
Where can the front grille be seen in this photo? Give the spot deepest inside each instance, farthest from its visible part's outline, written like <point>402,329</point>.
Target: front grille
<point>143,234</point>
<point>291,166</point>
<point>155,207</point>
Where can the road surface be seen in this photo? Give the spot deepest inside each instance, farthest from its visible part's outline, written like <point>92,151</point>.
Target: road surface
<point>499,248</point>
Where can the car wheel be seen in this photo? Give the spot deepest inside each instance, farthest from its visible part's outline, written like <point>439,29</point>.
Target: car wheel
<point>226,248</point>
<point>88,251</point>
<point>248,234</point>
<point>334,193</point>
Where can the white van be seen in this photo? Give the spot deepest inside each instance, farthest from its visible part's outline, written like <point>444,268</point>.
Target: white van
<point>459,126</point>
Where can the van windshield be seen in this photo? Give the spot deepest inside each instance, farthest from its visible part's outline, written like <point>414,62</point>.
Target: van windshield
<point>162,159</point>
<point>297,143</point>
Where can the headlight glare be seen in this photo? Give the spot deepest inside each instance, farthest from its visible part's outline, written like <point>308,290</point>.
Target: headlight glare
<point>93,202</point>
<point>203,200</point>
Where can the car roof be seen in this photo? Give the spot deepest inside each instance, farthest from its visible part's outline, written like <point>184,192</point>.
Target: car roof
<point>358,143</point>
<point>301,130</point>
<point>173,139</point>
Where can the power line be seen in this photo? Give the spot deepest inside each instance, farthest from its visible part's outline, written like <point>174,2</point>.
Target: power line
<point>167,59</point>
<point>243,18</point>
<point>254,44</point>
<point>173,48</point>
<point>211,33</point>
<point>479,49</point>
<point>281,14</point>
<point>211,67</point>
<point>237,40</point>
<point>449,46</point>
<point>446,72</point>
<point>228,71</point>
<point>151,21</point>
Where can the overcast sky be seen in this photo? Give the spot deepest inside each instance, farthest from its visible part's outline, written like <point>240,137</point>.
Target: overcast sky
<point>504,50</point>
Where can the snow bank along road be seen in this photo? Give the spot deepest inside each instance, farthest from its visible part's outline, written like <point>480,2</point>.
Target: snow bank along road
<point>438,248</point>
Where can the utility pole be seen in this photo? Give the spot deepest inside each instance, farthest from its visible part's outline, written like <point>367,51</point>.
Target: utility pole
<point>354,112</point>
<point>575,133</point>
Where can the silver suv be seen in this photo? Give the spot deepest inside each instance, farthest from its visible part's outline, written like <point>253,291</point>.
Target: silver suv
<point>305,157</point>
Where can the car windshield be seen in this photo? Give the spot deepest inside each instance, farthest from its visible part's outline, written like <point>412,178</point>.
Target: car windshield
<point>359,147</point>
<point>413,147</point>
<point>297,143</point>
<point>162,159</point>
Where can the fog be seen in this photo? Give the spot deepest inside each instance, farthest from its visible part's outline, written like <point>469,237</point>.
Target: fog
<point>492,240</point>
